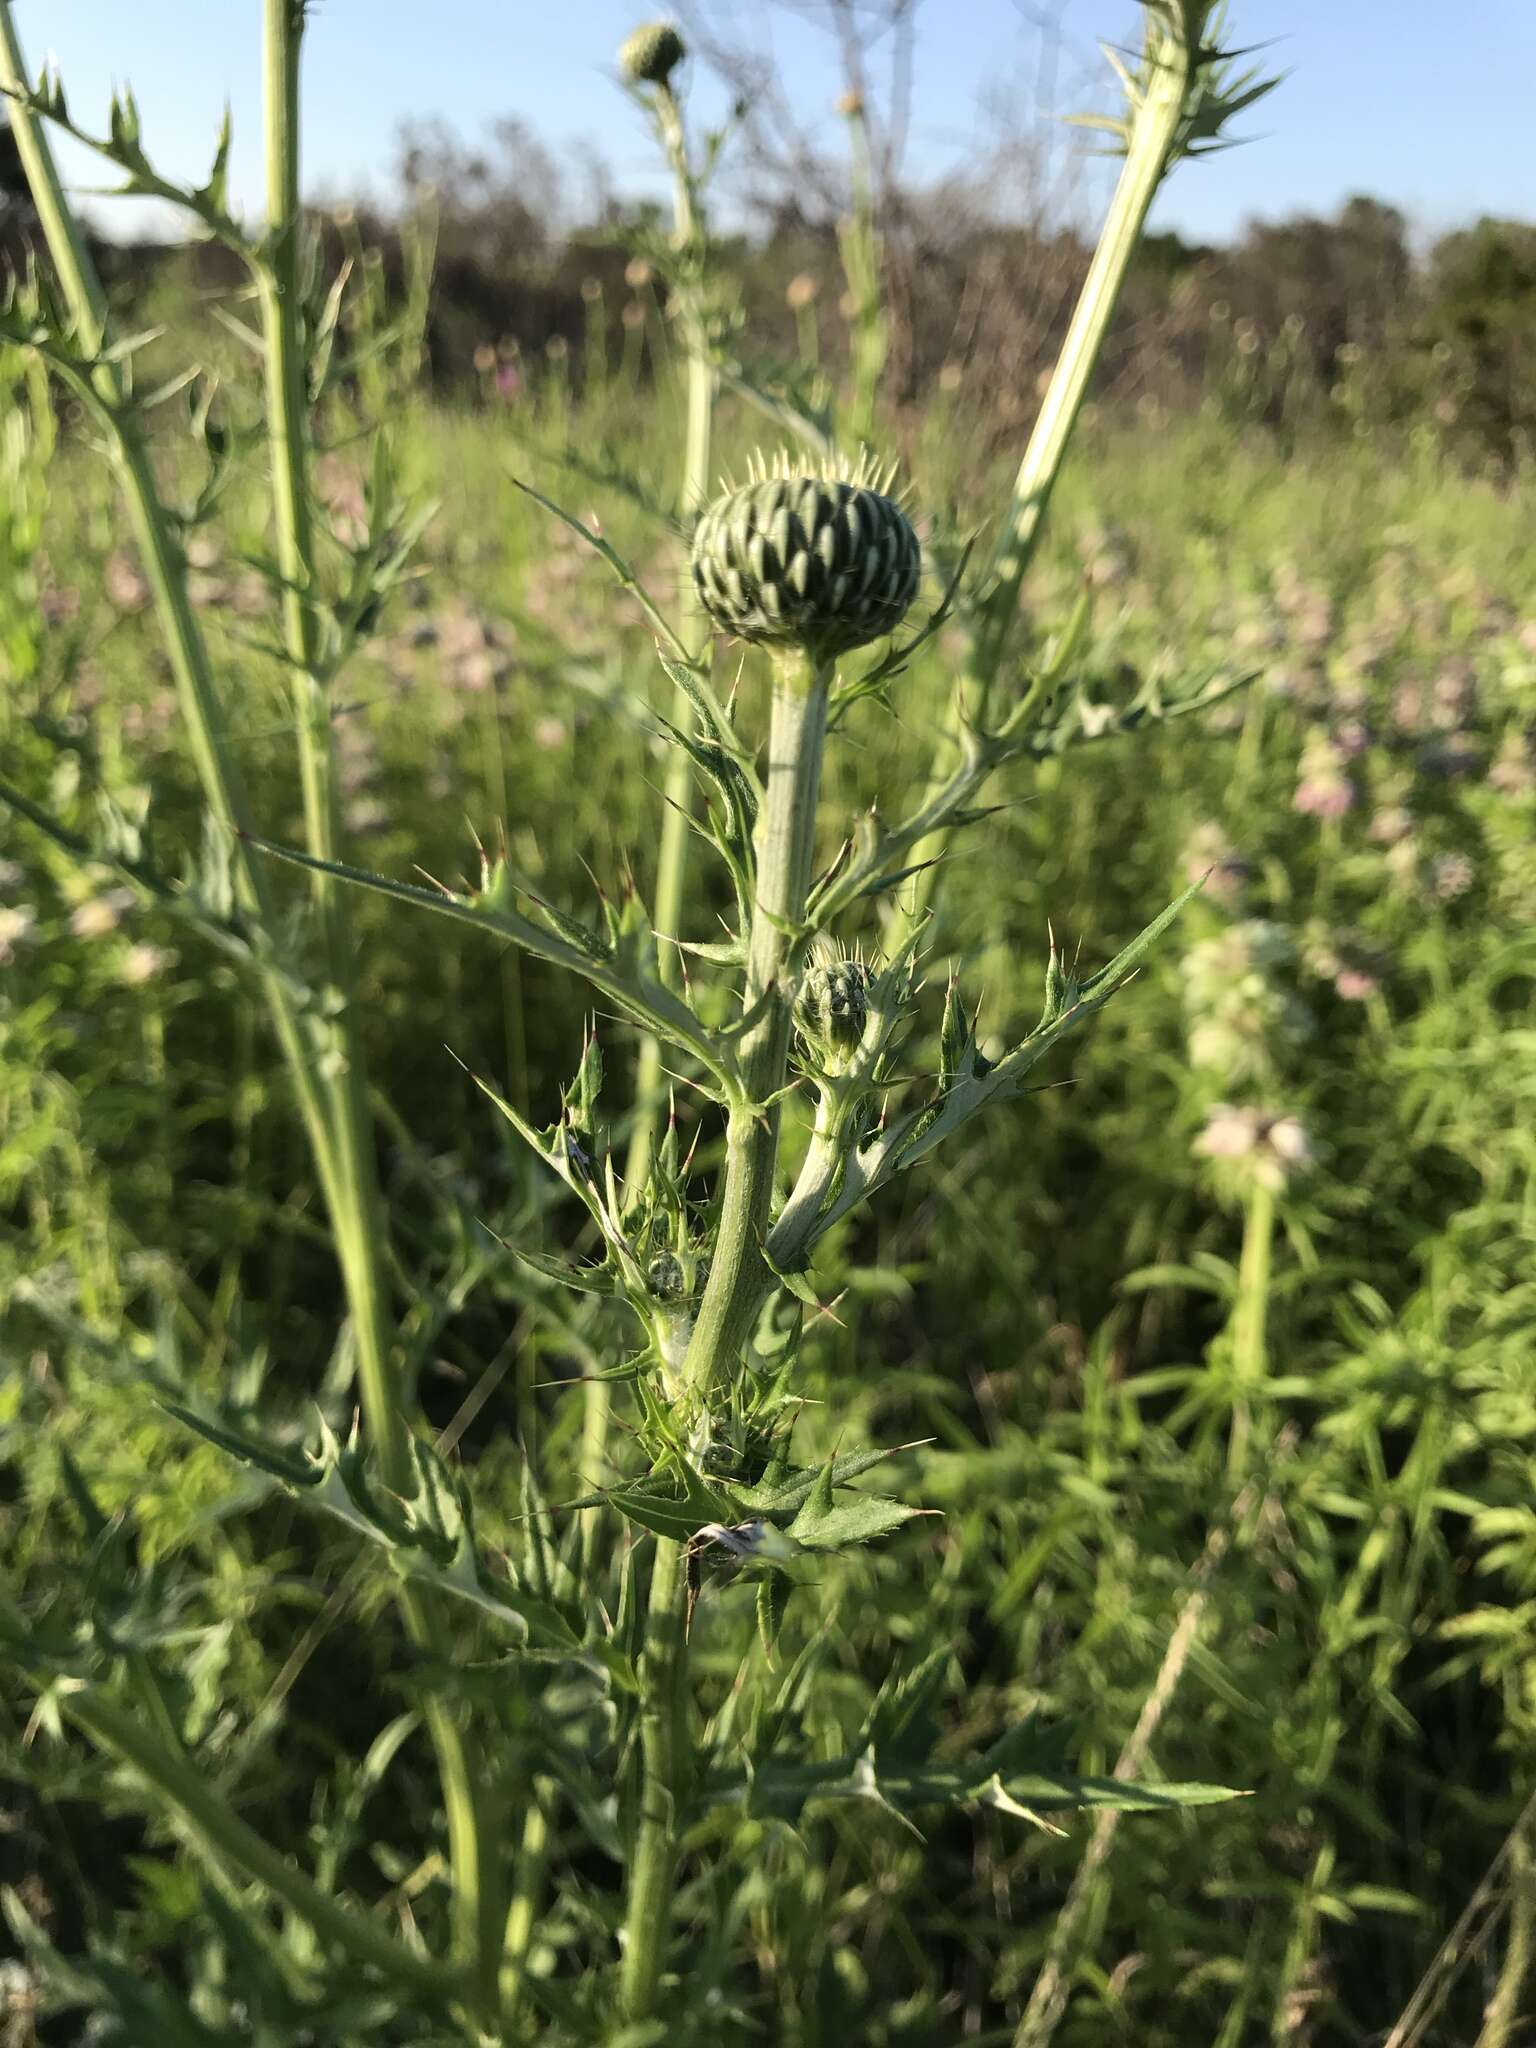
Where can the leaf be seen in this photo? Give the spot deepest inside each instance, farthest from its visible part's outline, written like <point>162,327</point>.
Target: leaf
<point>779,1495</point>
<point>428,1532</point>
<point>901,1722</point>
<point>862,1519</point>
<point>621,976</point>
<point>773,1593</point>
<point>580,1279</point>
<point>678,1515</point>
<point>783,1790</point>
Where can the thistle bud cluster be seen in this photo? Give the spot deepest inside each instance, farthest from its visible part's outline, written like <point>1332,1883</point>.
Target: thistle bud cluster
<point>848,1019</point>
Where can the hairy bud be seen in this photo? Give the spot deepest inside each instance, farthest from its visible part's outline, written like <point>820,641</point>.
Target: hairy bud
<point>822,564</point>
<point>834,1007</point>
<point>665,1277</point>
<point>652,53</point>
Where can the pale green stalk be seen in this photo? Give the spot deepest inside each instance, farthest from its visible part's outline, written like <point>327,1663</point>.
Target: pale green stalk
<point>1169,70</point>
<point>358,1223</point>
<point>523,1907</point>
<point>334,1111</point>
<point>1250,1322</point>
<point>357,1213</point>
<point>859,245</point>
<point>677,797</point>
<point>663,1788</point>
<point>1502,2026</point>
<point>738,1284</point>
<point>739,1278</point>
<point>672,856</point>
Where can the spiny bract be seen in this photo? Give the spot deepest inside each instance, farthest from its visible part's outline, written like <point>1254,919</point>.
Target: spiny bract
<point>652,53</point>
<point>824,563</point>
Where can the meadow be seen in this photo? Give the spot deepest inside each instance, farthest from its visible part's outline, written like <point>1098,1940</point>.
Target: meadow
<point>1200,1370</point>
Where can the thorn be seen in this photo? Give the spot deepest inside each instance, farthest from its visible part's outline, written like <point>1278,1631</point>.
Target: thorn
<point>443,887</point>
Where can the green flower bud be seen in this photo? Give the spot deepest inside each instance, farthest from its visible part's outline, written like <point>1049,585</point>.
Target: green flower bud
<point>665,1277</point>
<point>833,1007</point>
<point>821,563</point>
<point>652,54</point>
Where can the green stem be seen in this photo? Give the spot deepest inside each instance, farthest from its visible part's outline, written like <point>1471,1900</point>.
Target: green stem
<point>1501,2024</point>
<point>1169,71</point>
<point>858,242</point>
<point>357,1212</point>
<point>358,1220</point>
<point>689,238</point>
<point>218,1832</point>
<point>523,1910</point>
<point>739,1277</point>
<point>663,1755</point>
<point>1249,1322</point>
<point>738,1283</point>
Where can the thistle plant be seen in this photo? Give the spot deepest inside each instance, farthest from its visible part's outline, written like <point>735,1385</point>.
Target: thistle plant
<point>814,1077</point>
<point>813,567</point>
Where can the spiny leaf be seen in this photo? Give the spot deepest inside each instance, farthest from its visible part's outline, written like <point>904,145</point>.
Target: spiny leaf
<point>783,1790</point>
<point>779,1493</point>
<point>428,1532</point>
<point>842,1524</point>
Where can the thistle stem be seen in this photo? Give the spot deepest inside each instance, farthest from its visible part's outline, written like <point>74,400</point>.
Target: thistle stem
<point>663,1757</point>
<point>357,1211</point>
<point>677,799</point>
<point>738,1283</point>
<point>672,853</point>
<point>164,567</point>
<point>523,1907</point>
<point>1250,1322</point>
<point>785,847</point>
<point>1169,70</point>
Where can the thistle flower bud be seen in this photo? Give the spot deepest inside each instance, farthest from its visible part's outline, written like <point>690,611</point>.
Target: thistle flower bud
<point>833,1007</point>
<point>652,53</point>
<point>665,1277</point>
<point>821,563</point>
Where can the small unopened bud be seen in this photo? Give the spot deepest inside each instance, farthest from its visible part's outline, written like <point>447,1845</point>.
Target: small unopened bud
<point>652,53</point>
<point>665,1277</point>
<point>800,292</point>
<point>851,105</point>
<point>834,1006</point>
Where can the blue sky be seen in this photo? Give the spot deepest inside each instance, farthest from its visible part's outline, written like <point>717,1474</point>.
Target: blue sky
<point>1426,103</point>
